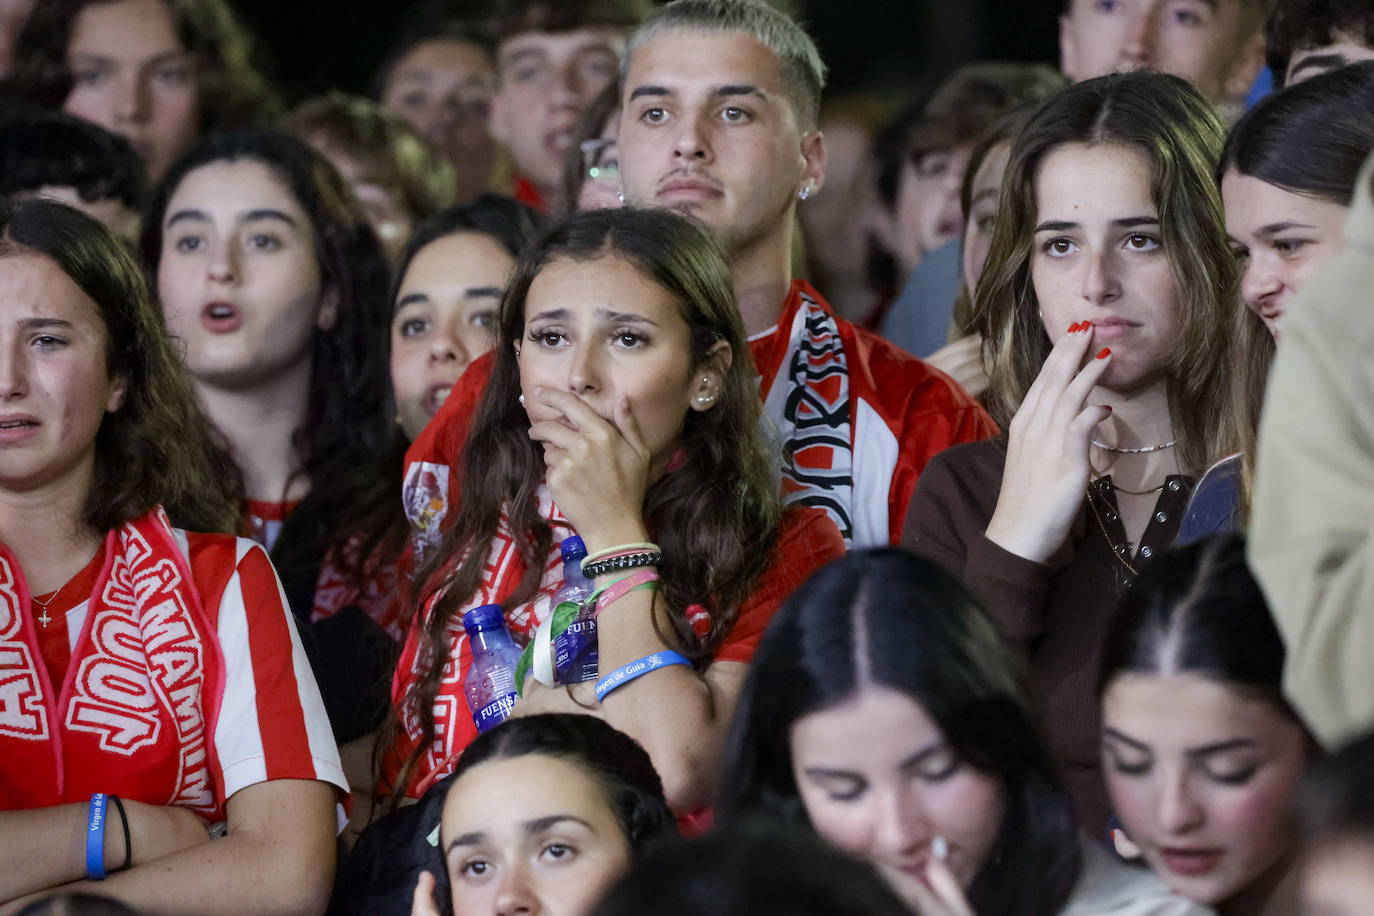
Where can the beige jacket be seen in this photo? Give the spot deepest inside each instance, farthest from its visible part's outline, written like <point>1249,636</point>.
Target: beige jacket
<point>1311,544</point>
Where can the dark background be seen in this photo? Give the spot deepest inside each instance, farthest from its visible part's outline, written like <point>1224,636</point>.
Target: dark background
<point>886,45</point>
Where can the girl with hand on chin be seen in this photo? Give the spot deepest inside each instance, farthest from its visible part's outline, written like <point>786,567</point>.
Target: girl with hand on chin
<point>1100,301</point>
<point>1201,752</point>
<point>881,712</point>
<point>621,408</point>
<point>155,681</point>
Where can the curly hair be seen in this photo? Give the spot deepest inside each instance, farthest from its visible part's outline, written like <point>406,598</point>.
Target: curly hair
<point>157,449</point>
<point>233,89</point>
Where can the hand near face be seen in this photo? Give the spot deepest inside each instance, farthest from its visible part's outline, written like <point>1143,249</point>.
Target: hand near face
<point>940,895</point>
<point>423,904</point>
<point>1047,451</point>
<point>597,469</point>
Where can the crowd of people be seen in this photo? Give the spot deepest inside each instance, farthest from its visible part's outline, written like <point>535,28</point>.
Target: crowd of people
<point>601,472</point>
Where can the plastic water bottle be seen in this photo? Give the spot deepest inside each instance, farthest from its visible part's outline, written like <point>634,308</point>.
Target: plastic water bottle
<point>490,683</point>
<point>574,650</point>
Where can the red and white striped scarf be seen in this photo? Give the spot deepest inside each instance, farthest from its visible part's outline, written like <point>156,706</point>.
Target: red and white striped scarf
<point>135,714</point>
<point>805,393</point>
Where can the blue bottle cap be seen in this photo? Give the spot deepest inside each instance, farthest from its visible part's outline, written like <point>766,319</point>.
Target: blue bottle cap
<point>572,548</point>
<point>483,617</point>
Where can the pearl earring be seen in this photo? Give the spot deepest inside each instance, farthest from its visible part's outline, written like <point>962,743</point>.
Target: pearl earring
<point>620,196</point>
<point>522,400</point>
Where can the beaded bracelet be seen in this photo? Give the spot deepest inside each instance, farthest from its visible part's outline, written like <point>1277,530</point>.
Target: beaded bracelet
<point>619,549</point>
<point>616,564</point>
<point>637,669</point>
<point>95,838</point>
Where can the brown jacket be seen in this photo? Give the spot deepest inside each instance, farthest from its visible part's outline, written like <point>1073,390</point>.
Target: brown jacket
<point>1054,614</point>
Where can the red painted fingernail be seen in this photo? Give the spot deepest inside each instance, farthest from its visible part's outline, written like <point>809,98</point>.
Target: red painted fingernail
<point>1104,353</point>
<point>1109,407</point>
<point>1073,327</point>
<point>1086,325</point>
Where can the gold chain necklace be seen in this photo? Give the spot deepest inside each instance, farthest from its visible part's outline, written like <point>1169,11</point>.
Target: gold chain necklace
<point>1118,550</point>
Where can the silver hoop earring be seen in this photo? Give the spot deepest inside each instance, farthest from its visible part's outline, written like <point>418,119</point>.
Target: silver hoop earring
<point>706,399</point>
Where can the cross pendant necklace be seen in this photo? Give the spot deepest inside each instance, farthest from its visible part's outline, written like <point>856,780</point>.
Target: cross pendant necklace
<point>45,619</point>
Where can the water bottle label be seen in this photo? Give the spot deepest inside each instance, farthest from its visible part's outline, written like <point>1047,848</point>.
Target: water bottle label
<point>494,713</point>
<point>575,656</point>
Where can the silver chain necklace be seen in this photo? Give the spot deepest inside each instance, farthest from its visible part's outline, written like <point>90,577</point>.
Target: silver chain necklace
<point>1143,450</point>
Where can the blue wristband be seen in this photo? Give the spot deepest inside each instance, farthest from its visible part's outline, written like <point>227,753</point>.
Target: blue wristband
<point>638,668</point>
<point>95,838</point>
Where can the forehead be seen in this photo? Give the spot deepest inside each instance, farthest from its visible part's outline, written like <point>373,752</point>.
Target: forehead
<point>124,28</point>
<point>1226,9</point>
<point>1089,178</point>
<point>876,727</point>
<point>496,796</point>
<point>562,44</point>
<point>1183,710</point>
<point>460,257</point>
<point>609,283</point>
<point>681,60</point>
<point>448,55</point>
<point>244,183</point>
<point>33,285</point>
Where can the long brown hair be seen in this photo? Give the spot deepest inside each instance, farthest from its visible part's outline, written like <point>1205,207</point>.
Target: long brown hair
<point>157,449</point>
<point>715,517</point>
<point>1178,132</point>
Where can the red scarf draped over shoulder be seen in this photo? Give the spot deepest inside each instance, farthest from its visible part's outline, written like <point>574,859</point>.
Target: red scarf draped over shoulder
<point>135,714</point>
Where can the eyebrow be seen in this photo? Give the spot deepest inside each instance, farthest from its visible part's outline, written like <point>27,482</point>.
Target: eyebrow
<point>1126,222</point>
<point>914,760</point>
<point>512,57</point>
<point>1108,732</point>
<point>30,324</point>
<point>720,91</point>
<point>1283,226</point>
<point>160,57</point>
<point>531,828</point>
<point>986,193</point>
<point>1205,750</point>
<point>471,292</point>
<point>607,314</point>
<point>1219,747</point>
<point>1319,62</point>
<point>249,217</point>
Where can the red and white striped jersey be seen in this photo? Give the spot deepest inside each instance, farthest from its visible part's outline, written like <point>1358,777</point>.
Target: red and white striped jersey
<point>161,680</point>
